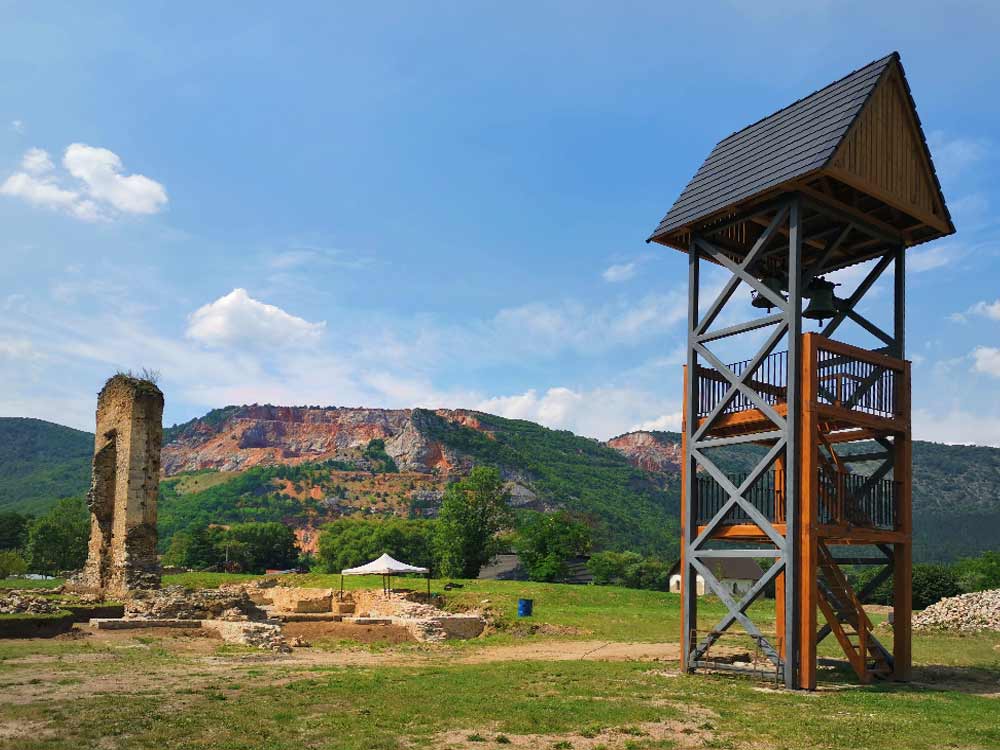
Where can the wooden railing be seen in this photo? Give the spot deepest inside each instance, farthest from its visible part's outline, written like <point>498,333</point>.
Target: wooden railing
<point>768,381</point>
<point>847,377</point>
<point>855,500</point>
<point>856,379</point>
<point>845,499</point>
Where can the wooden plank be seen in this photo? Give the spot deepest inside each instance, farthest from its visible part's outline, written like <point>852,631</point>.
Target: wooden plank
<point>883,154</point>
<point>808,514</point>
<point>839,414</point>
<point>743,532</point>
<point>779,581</point>
<point>894,233</point>
<point>903,551</point>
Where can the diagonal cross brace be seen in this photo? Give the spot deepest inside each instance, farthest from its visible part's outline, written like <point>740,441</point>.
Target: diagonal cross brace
<point>755,515</point>
<point>727,291</point>
<point>850,303</point>
<point>739,384</point>
<point>737,612</point>
<point>737,498</point>
<point>718,255</point>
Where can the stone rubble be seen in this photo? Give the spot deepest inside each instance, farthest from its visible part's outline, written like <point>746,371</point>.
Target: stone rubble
<point>16,602</point>
<point>176,602</point>
<point>966,613</point>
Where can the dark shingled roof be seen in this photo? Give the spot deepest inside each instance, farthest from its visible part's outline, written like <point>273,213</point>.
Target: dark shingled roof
<point>793,141</point>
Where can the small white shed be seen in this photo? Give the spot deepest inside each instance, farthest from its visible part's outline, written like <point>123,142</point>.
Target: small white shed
<point>737,574</point>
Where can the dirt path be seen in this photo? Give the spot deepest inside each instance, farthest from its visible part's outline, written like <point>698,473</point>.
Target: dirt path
<point>575,650</point>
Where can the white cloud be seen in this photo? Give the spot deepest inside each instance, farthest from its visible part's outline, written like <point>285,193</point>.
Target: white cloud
<point>956,427</point>
<point>619,272</point>
<point>97,191</point>
<point>952,156</point>
<point>36,161</point>
<point>989,310</point>
<point>17,126</point>
<point>40,191</point>
<point>670,422</point>
<point>986,360</point>
<point>100,171</point>
<point>598,413</point>
<point>238,319</point>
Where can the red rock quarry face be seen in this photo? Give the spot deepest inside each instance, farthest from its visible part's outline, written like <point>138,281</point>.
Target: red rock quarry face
<point>645,451</point>
<point>262,435</point>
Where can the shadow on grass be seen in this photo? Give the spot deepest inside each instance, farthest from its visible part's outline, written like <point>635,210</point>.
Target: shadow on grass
<point>982,681</point>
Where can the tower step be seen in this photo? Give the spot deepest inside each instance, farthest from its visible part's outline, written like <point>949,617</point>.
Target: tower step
<point>849,622</point>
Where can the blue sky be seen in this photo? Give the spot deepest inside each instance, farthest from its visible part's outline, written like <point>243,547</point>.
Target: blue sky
<point>437,204</point>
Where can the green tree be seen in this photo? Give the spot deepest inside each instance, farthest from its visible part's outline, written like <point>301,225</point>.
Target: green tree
<point>933,582</point>
<point>11,564</point>
<point>349,542</point>
<point>258,546</point>
<point>382,461</point>
<point>13,530</point>
<point>473,512</point>
<point>58,540</point>
<point>979,573</point>
<point>629,569</point>
<point>198,547</point>
<point>609,567</point>
<point>546,541</point>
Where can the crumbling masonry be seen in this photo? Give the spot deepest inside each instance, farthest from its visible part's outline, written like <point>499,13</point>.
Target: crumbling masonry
<point>122,499</point>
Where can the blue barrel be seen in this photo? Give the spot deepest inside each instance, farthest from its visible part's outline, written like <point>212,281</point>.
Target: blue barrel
<point>524,607</point>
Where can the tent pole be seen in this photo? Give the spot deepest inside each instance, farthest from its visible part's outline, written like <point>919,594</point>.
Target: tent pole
<point>341,585</point>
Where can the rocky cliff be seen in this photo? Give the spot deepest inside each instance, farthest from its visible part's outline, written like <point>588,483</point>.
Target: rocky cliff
<point>650,451</point>
<point>241,437</point>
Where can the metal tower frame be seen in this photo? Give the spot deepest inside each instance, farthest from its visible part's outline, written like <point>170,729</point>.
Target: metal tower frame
<point>781,244</point>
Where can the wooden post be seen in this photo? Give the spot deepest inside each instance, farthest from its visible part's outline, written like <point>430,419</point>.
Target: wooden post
<point>808,512</point>
<point>779,580</point>
<point>902,601</point>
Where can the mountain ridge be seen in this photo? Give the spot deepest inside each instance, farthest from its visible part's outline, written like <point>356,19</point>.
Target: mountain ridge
<point>628,486</point>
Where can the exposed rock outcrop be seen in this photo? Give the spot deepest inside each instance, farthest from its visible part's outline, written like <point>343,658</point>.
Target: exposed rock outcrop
<point>649,451</point>
<point>241,437</point>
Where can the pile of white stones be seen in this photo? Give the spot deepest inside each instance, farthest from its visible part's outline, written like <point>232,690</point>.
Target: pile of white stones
<point>967,612</point>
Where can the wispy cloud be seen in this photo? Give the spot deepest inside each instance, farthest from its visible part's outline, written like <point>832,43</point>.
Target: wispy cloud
<point>620,272</point>
<point>306,257</point>
<point>600,413</point>
<point>983,309</point>
<point>935,256</point>
<point>953,155</point>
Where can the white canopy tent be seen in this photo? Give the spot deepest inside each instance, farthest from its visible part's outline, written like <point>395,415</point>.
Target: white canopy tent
<point>385,566</point>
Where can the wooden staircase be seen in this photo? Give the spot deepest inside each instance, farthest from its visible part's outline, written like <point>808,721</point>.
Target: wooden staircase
<point>849,622</point>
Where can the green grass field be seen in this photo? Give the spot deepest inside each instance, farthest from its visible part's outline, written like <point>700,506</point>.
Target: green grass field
<point>140,690</point>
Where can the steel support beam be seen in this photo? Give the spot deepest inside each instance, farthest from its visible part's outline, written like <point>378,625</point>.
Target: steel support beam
<point>792,442</point>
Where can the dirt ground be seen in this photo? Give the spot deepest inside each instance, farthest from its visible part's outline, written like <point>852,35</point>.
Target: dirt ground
<point>347,631</point>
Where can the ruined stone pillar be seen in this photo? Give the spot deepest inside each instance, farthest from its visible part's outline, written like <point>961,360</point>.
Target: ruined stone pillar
<point>123,492</point>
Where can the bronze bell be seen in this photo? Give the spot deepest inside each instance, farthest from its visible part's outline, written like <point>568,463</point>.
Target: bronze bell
<point>822,302</point>
<point>773,283</point>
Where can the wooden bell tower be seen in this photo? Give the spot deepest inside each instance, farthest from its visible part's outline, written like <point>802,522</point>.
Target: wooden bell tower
<point>840,178</point>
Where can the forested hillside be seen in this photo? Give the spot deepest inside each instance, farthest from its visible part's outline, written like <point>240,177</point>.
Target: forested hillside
<point>41,462</point>
<point>397,464</point>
